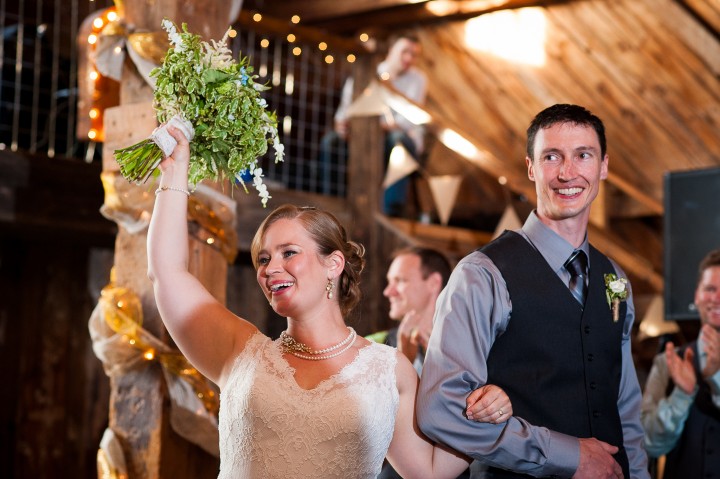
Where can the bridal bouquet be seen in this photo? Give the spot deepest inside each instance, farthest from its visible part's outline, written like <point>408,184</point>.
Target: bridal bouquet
<point>204,92</point>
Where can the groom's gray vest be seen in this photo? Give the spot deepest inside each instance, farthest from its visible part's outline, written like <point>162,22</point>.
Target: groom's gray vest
<point>559,363</point>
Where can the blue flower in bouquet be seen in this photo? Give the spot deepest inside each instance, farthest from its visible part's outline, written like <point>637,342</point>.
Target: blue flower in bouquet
<point>204,91</point>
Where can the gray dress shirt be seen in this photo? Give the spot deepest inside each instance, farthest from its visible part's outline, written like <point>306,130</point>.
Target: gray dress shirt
<point>474,309</point>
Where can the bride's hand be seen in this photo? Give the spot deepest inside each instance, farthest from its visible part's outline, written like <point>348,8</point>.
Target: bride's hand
<point>181,153</point>
<point>488,403</point>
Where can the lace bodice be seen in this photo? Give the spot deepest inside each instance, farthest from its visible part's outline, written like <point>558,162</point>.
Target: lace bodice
<point>272,428</point>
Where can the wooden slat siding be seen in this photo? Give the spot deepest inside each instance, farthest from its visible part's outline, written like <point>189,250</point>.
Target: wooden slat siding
<point>605,59</point>
<point>591,73</point>
<point>459,98</point>
<point>599,59</point>
<point>700,40</point>
<point>709,10</point>
<point>629,258</point>
<point>462,83</point>
<point>691,86</point>
<point>676,81</point>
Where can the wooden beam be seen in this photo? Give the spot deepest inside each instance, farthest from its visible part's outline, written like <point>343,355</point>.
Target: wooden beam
<point>303,33</point>
<point>350,17</point>
<point>631,262</point>
<point>451,240</point>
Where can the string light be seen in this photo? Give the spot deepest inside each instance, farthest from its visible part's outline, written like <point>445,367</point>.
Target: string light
<point>351,58</point>
<point>102,91</point>
<point>232,33</point>
<point>295,19</point>
<point>297,51</point>
<point>364,37</point>
<point>264,43</point>
<point>257,17</point>
<point>149,354</point>
<point>291,38</point>
<point>329,59</point>
<point>322,46</point>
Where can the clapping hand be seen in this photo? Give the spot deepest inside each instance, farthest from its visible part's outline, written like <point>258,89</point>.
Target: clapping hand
<point>711,347</point>
<point>681,369</point>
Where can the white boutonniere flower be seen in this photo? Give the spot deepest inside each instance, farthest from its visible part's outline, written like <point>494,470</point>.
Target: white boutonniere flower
<point>615,291</point>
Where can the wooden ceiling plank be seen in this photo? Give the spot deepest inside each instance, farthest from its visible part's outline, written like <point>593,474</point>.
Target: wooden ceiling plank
<point>689,85</point>
<point>611,56</point>
<point>708,10</point>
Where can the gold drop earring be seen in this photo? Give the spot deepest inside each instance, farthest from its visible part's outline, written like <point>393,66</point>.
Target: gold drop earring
<point>330,287</point>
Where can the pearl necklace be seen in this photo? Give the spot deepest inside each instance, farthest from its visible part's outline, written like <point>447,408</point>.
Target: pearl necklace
<point>296,348</point>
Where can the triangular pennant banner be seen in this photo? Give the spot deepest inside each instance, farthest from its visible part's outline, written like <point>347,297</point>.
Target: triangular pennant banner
<point>400,165</point>
<point>509,221</point>
<point>371,102</point>
<point>653,323</point>
<point>444,191</point>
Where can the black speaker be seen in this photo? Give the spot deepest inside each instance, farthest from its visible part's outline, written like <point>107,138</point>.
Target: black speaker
<point>691,230</point>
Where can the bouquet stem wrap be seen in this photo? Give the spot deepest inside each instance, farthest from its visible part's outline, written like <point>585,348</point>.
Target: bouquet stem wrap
<point>167,143</point>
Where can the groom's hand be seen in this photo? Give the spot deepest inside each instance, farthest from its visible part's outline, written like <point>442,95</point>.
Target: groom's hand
<point>596,461</point>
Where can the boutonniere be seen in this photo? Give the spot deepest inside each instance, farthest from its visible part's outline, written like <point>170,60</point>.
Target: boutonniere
<point>615,291</point>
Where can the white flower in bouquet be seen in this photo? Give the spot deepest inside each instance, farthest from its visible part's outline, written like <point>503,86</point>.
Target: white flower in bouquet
<point>215,101</point>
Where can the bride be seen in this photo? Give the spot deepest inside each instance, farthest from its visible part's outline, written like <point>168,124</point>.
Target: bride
<point>320,401</point>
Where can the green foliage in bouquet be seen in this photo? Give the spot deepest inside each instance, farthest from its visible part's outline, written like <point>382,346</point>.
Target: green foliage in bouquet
<point>201,83</point>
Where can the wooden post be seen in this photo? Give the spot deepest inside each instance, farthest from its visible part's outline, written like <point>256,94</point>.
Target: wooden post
<point>139,404</point>
<point>365,173</point>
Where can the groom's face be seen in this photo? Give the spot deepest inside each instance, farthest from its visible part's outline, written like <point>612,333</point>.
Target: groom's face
<point>567,168</point>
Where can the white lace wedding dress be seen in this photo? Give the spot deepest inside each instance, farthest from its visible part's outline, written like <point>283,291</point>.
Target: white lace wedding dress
<point>272,428</point>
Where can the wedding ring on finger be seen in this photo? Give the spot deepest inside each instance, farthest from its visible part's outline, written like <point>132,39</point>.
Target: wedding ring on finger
<point>501,412</point>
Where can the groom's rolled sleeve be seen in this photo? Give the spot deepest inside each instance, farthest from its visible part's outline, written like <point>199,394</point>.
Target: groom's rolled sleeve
<point>471,312</point>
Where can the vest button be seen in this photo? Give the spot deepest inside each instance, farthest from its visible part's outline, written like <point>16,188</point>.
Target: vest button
<point>590,357</point>
<point>593,385</point>
<point>587,329</point>
<point>596,414</point>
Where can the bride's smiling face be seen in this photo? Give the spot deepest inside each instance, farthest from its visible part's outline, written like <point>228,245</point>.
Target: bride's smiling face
<point>290,271</point>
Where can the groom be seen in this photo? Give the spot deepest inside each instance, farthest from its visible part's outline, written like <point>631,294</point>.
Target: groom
<point>528,312</point>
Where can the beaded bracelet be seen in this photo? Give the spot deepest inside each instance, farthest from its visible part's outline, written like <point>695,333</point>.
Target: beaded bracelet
<point>165,188</point>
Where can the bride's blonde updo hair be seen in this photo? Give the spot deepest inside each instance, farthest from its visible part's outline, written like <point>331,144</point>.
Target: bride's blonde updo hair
<point>329,235</point>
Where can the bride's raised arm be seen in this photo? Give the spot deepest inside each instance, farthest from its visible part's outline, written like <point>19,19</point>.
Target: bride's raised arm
<point>207,333</point>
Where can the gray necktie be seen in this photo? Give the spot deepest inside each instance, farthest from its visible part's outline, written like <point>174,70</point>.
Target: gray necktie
<point>577,267</point>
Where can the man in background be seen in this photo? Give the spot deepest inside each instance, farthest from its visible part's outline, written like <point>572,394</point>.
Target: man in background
<point>414,280</point>
<point>681,403</point>
<point>399,69</point>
